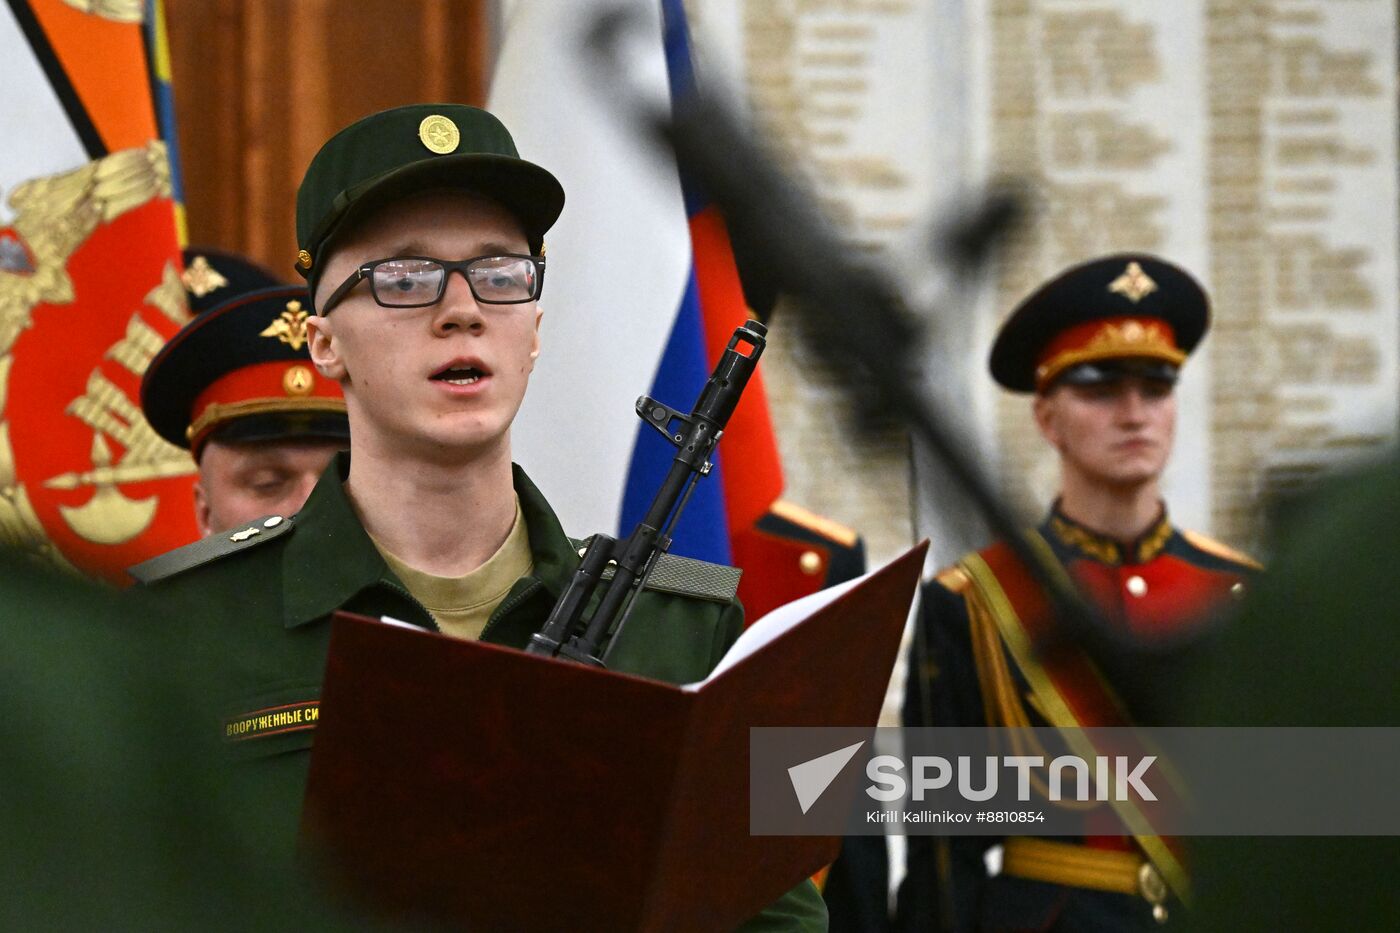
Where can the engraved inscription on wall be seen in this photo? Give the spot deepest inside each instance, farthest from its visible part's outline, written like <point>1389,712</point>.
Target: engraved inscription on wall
<point>1252,142</point>
<point>841,86</point>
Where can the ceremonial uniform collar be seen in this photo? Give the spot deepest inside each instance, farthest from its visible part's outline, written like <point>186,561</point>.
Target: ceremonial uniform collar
<point>1068,533</point>
<point>331,559</point>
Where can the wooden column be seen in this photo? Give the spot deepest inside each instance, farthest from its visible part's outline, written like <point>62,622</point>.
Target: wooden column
<point>259,86</point>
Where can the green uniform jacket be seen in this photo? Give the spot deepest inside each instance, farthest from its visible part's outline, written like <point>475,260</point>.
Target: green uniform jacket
<point>255,624</point>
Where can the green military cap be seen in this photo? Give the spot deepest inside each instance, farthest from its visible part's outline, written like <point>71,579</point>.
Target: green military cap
<point>406,150</point>
<point>1119,315</point>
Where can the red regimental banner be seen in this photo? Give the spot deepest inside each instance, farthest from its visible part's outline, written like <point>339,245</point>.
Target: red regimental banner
<point>89,291</point>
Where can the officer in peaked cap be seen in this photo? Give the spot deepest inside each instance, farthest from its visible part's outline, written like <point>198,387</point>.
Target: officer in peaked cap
<point>1100,349</point>
<point>1098,323</point>
<point>420,233</point>
<point>237,389</point>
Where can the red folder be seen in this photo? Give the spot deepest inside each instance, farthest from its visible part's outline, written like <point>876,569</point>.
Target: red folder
<point>495,790</point>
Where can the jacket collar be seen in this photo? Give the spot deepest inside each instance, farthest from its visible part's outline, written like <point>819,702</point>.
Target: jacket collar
<point>1086,542</point>
<point>554,553</point>
<point>556,558</point>
<point>329,558</point>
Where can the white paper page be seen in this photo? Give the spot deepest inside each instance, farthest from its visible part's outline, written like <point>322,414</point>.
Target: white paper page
<point>780,620</point>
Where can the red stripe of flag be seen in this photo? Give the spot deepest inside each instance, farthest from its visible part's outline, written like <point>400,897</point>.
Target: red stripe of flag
<point>753,474</point>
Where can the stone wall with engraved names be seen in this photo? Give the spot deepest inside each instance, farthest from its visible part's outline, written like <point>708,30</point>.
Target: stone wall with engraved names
<point>1251,141</point>
<point>1254,143</point>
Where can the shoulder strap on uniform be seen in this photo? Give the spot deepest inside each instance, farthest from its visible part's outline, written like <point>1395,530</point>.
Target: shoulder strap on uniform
<point>817,524</point>
<point>211,548</point>
<point>686,576</point>
<point>954,578</point>
<point>1212,546</point>
<point>689,577</point>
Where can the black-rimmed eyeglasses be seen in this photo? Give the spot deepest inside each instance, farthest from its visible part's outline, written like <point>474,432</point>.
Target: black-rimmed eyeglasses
<point>419,281</point>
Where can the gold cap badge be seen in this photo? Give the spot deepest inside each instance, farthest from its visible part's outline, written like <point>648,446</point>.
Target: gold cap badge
<point>439,134</point>
<point>1133,284</point>
<point>200,278</point>
<point>298,380</point>
<point>289,327</point>
<point>304,259</point>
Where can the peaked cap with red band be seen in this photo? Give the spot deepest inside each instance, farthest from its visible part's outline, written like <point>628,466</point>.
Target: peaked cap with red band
<point>1130,312</point>
<point>241,372</point>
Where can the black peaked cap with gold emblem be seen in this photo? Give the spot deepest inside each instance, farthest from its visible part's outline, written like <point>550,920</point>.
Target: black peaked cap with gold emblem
<point>1093,320</point>
<point>215,276</point>
<point>242,372</point>
<point>407,150</point>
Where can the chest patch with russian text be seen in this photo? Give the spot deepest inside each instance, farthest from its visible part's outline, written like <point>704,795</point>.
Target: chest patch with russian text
<point>273,720</point>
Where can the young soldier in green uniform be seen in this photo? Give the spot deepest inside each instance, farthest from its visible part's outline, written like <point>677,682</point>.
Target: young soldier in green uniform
<point>1099,347</point>
<point>421,234</point>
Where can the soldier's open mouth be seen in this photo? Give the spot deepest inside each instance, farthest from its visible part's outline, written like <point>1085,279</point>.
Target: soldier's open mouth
<point>460,377</point>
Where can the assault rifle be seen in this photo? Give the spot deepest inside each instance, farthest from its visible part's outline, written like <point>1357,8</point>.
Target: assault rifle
<point>566,633</point>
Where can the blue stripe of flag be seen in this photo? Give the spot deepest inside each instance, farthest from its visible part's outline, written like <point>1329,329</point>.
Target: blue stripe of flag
<point>680,73</point>
<point>163,99</point>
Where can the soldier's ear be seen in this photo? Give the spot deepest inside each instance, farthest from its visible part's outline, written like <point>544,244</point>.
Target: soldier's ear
<point>1044,411</point>
<point>535,350</point>
<point>202,510</point>
<point>324,350</point>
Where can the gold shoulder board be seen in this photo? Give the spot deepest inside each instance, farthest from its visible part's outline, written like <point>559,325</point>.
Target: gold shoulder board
<point>954,578</point>
<point>818,524</point>
<point>1212,546</point>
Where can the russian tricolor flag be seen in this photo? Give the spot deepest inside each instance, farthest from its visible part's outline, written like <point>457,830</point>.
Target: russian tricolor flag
<point>641,295</point>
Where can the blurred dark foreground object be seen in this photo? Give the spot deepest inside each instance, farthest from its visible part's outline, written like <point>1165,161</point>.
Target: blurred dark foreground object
<point>111,816</point>
<point>1316,646</point>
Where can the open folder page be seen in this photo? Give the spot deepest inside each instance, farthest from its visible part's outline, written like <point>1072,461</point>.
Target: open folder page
<point>774,625</point>
<point>472,783</point>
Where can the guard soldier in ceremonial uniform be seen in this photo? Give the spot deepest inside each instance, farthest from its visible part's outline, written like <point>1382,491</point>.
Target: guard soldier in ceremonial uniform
<point>1100,348</point>
<point>421,233</point>
<point>236,387</point>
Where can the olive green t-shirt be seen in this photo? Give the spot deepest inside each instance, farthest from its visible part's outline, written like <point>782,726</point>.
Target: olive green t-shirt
<point>462,605</point>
